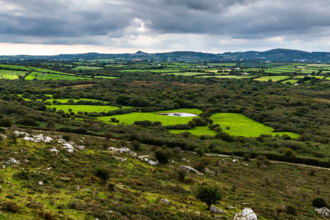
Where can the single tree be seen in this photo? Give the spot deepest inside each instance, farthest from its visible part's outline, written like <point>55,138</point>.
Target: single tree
<point>209,195</point>
<point>102,173</point>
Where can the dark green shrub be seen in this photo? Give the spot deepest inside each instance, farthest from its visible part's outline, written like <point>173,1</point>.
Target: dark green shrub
<point>27,122</point>
<point>136,145</point>
<point>102,173</point>
<point>290,210</point>
<point>161,156</point>
<point>247,157</point>
<point>51,124</point>
<point>182,175</point>
<point>5,122</point>
<point>319,203</point>
<point>80,130</point>
<point>108,135</point>
<point>10,207</point>
<point>209,195</point>
<point>66,137</point>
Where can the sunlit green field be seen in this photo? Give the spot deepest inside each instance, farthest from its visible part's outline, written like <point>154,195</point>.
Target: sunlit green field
<point>10,74</point>
<point>239,125</point>
<point>292,81</point>
<point>187,74</point>
<point>52,76</point>
<point>84,108</point>
<point>165,120</point>
<point>106,77</point>
<point>14,67</point>
<point>228,77</point>
<point>86,68</point>
<point>273,78</point>
<point>43,70</point>
<point>318,77</point>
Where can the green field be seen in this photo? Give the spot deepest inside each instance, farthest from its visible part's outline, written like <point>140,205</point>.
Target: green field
<point>106,77</point>
<point>10,74</point>
<point>292,81</point>
<point>165,71</point>
<point>240,125</point>
<point>318,65</point>
<point>43,70</point>
<point>165,120</point>
<point>51,76</point>
<point>273,78</point>
<point>229,77</point>
<point>86,68</point>
<point>84,108</point>
<point>301,77</point>
<point>187,74</point>
<point>13,67</point>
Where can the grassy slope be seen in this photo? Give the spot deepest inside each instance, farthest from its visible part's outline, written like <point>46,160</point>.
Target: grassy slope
<point>83,108</point>
<point>242,184</point>
<point>14,67</point>
<point>273,78</point>
<point>86,68</point>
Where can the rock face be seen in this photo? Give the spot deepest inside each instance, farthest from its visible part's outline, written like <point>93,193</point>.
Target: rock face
<point>214,209</point>
<point>165,201</point>
<point>37,138</point>
<point>323,211</point>
<point>191,169</point>
<point>246,214</point>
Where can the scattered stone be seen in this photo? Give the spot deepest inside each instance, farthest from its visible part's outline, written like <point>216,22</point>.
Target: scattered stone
<point>12,160</point>
<point>21,134</point>
<point>235,160</point>
<point>214,209</point>
<point>54,150</point>
<point>246,214</point>
<point>68,147</point>
<point>81,147</point>
<point>27,139</point>
<point>165,201</point>
<point>323,211</point>
<point>120,150</point>
<point>230,207</point>
<point>133,154</point>
<point>40,183</point>
<point>4,137</point>
<point>153,163</point>
<point>209,171</point>
<point>48,140</point>
<point>122,159</point>
<point>192,170</point>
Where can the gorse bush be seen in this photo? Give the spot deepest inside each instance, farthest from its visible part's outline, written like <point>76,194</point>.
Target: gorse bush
<point>319,203</point>
<point>161,156</point>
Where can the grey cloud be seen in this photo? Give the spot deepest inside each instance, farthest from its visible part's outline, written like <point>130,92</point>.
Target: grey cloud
<point>92,21</point>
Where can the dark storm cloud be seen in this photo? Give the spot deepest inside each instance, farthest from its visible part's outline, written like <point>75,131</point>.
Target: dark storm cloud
<point>76,21</point>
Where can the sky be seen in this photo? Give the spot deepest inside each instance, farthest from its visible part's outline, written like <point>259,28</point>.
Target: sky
<point>49,27</point>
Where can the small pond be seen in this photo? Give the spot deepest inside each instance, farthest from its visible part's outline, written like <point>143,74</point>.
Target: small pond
<point>179,114</point>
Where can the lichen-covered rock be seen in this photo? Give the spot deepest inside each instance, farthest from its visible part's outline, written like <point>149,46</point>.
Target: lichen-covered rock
<point>122,159</point>
<point>133,154</point>
<point>192,170</point>
<point>81,147</point>
<point>120,150</point>
<point>323,211</point>
<point>246,214</point>
<point>214,209</point>
<point>4,137</point>
<point>68,147</point>
<point>152,163</point>
<point>27,139</point>
<point>21,134</point>
<point>165,201</point>
<point>12,160</point>
<point>209,171</point>
<point>48,140</point>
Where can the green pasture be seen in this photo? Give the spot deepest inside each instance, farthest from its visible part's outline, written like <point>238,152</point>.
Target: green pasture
<point>43,70</point>
<point>204,130</point>
<point>301,77</point>
<point>10,74</point>
<point>222,64</point>
<point>228,77</point>
<point>240,125</point>
<point>86,68</point>
<point>84,108</point>
<point>318,65</point>
<point>187,74</point>
<point>152,116</point>
<point>292,81</point>
<point>273,78</point>
<point>165,71</point>
<point>106,77</point>
<point>51,76</point>
<point>13,67</point>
